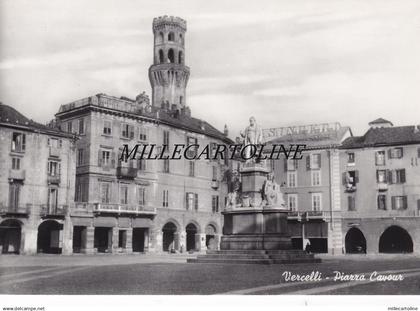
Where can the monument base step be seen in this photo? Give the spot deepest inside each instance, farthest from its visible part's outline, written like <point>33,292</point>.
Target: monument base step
<point>256,257</point>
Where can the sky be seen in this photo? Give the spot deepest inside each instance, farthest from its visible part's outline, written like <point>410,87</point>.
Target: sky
<point>284,62</point>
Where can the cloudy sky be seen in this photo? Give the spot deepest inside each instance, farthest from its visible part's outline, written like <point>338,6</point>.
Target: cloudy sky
<point>285,62</point>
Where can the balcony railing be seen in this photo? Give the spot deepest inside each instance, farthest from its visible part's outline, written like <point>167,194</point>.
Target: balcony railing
<point>123,208</point>
<point>350,188</point>
<point>126,172</point>
<point>53,179</point>
<point>215,184</point>
<point>17,174</point>
<point>15,210</point>
<point>382,186</point>
<point>53,211</point>
<point>309,215</point>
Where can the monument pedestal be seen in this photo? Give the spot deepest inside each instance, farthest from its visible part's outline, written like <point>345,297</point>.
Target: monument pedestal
<point>255,231</point>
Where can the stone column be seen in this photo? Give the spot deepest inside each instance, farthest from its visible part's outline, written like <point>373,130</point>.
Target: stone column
<point>180,241</point>
<point>146,240</point>
<point>90,240</point>
<point>114,232</point>
<point>67,237</point>
<point>129,240</point>
<point>200,242</point>
<point>29,231</point>
<point>158,247</point>
<point>217,241</point>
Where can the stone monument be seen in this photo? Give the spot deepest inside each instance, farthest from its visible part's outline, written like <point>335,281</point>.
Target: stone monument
<point>255,218</point>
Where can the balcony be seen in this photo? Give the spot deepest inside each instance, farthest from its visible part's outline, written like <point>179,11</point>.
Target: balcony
<point>57,211</point>
<point>53,179</point>
<point>382,186</point>
<point>309,215</point>
<point>215,184</point>
<point>17,174</point>
<point>17,211</point>
<point>126,172</point>
<point>54,152</point>
<point>123,209</point>
<point>350,188</point>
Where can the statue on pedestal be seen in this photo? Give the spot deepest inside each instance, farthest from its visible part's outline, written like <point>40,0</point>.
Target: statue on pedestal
<point>272,195</point>
<point>252,136</point>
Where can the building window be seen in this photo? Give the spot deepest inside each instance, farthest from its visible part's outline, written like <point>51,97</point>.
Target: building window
<point>380,157</point>
<point>105,158</point>
<point>105,192</point>
<point>382,202</point>
<point>165,200</point>
<point>122,238</point>
<point>143,134</point>
<point>192,201</point>
<point>350,158</point>
<point>171,36</point>
<point>54,142</point>
<point>291,164</point>
<point>124,194</point>
<point>350,180</point>
<point>15,163</point>
<point>53,168</point>
<point>80,157</point>
<point>418,152</point>
<point>316,201</point>
<point>141,164</point>
<point>166,138</point>
<point>381,176</point>
<point>316,178</point>
<point>191,170</point>
<point>166,165</point>
<point>192,152</point>
<point>18,142</point>
<point>70,127</point>
<point>291,179</point>
<point>315,161</point>
<point>399,202</point>
<point>397,176</point>
<point>14,195</point>
<point>214,173</point>
<point>107,128</point>
<point>81,191</point>
<point>81,126</point>
<point>395,153</point>
<point>351,203</point>
<point>127,131</point>
<point>141,195</point>
<point>272,165</point>
<point>292,201</point>
<point>215,203</point>
<point>52,199</point>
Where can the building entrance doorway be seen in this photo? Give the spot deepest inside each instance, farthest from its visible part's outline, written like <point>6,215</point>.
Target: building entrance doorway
<point>139,238</point>
<point>191,230</point>
<point>103,239</point>
<point>79,239</point>
<point>168,238</point>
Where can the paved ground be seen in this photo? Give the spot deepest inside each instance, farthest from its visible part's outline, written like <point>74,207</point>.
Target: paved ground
<point>170,274</point>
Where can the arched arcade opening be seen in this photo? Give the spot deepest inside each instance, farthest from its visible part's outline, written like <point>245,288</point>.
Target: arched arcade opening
<point>50,237</point>
<point>395,240</point>
<point>191,231</point>
<point>355,242</point>
<point>168,236</point>
<point>211,232</point>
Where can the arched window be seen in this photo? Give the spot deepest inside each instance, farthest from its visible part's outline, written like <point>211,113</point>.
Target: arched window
<point>171,36</point>
<point>181,38</point>
<point>171,56</point>
<point>161,37</point>
<point>180,57</point>
<point>180,100</point>
<point>161,58</point>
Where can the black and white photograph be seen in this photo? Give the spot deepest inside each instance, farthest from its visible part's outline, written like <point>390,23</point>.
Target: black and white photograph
<point>185,154</point>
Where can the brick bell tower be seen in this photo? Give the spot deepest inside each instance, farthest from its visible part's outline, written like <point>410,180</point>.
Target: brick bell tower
<point>168,75</point>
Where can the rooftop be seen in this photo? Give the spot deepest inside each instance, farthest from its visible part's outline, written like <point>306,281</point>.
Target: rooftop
<point>385,136</point>
<point>9,116</point>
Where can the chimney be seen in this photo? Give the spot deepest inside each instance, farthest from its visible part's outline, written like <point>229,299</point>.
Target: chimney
<point>226,130</point>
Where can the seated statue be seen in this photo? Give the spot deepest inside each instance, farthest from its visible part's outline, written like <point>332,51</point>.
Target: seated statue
<point>271,192</point>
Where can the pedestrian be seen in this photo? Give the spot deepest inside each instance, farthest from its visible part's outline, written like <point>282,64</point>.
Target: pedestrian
<point>308,246</point>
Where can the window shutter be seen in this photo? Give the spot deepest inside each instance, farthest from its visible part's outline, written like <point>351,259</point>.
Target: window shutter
<point>344,177</point>
<point>418,152</point>
<point>296,164</point>
<point>23,141</point>
<point>59,168</point>
<point>308,162</point>
<point>356,176</point>
<point>393,202</point>
<point>187,195</point>
<point>319,160</point>
<point>285,164</point>
<point>402,152</point>
<point>196,201</point>
<point>113,159</point>
<point>402,176</point>
<point>389,153</point>
<point>404,202</point>
<point>389,176</point>
<point>99,158</point>
<point>131,130</point>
